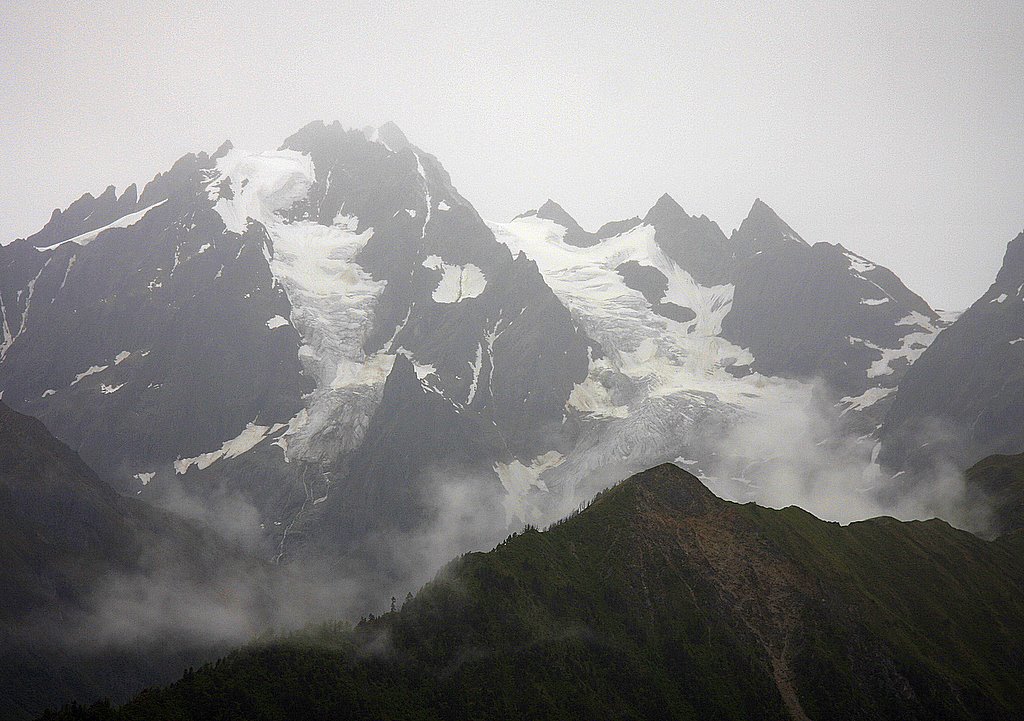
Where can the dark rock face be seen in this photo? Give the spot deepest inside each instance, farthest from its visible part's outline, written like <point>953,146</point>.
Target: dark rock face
<point>416,434</point>
<point>697,245</point>
<point>574,234</point>
<point>966,392</point>
<point>653,284</point>
<point>822,311</point>
<point>818,310</point>
<point>617,227</point>
<point>644,278</point>
<point>86,214</point>
<point>150,341</point>
<point>762,230</point>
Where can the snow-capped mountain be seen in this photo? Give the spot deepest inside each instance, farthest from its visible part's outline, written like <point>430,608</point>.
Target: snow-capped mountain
<point>147,338</point>
<point>245,318</point>
<point>325,330</point>
<point>964,398</point>
<point>762,300</point>
<point>821,310</point>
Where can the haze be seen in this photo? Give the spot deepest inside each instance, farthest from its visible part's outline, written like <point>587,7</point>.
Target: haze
<point>892,128</point>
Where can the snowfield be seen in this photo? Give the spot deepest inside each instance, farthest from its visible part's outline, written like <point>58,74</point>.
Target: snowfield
<point>86,238</point>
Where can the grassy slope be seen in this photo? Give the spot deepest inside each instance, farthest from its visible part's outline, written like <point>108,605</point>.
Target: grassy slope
<point>659,601</point>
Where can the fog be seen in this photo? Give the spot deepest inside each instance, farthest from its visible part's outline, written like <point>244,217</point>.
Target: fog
<point>798,451</point>
<point>802,452</point>
<point>239,593</point>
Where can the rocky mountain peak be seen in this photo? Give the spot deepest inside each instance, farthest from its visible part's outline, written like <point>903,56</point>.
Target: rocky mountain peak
<point>392,136</point>
<point>666,209</point>
<point>762,230</point>
<point>226,147</point>
<point>1012,270</point>
<point>551,210</point>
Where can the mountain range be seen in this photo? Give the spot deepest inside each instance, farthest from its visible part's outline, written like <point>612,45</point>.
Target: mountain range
<point>321,357</point>
<point>314,312</point>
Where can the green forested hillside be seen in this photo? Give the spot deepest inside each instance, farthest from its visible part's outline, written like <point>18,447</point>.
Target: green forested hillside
<point>659,601</point>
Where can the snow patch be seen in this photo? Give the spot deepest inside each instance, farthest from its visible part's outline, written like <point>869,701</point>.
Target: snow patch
<point>262,184</point>
<point>426,193</point>
<point>124,222</point>
<point>912,345</point>
<point>458,282</point>
<point>67,272</point>
<point>8,338</point>
<point>857,263</point>
<point>295,425</point>
<point>520,480</point>
<point>475,367</point>
<point>145,478</point>
<point>106,389</point>
<point>593,398</point>
<point>89,372</point>
<point>422,370</point>
<point>244,442</point>
<point>865,400</point>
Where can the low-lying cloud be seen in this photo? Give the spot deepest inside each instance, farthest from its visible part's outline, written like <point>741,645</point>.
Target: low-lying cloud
<point>800,451</point>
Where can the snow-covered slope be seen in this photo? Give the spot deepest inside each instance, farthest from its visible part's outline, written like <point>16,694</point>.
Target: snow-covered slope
<point>777,305</point>
<point>637,337</point>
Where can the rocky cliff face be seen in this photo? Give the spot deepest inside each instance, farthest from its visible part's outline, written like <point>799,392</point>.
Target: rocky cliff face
<point>964,397</point>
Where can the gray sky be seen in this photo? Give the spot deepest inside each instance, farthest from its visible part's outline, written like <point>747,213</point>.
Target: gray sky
<point>894,128</point>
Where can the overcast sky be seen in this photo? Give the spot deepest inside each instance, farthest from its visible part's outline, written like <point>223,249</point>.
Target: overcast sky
<point>896,129</point>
